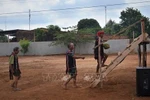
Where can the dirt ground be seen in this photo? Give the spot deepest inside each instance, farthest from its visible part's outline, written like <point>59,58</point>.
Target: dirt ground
<point>41,80</point>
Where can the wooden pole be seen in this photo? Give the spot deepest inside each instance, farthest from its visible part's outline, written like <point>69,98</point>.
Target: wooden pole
<point>139,54</point>
<point>143,29</point>
<point>100,62</point>
<point>144,55</point>
<point>144,43</point>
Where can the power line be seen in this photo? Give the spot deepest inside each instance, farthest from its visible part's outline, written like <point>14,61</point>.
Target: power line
<point>75,8</point>
<point>129,6</point>
<point>20,1</point>
<point>128,3</point>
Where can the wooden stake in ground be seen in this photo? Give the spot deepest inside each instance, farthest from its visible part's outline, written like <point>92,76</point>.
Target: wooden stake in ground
<point>98,79</point>
<point>144,43</point>
<point>139,55</point>
<point>100,62</point>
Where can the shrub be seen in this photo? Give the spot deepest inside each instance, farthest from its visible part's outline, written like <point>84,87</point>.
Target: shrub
<point>24,45</point>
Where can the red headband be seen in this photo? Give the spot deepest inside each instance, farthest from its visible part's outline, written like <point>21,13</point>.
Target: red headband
<point>100,32</point>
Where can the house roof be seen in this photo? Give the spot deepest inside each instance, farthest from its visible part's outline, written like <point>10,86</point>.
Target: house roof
<point>11,32</point>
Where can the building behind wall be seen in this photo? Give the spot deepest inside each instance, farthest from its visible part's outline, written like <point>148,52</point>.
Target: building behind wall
<point>17,35</point>
<point>29,35</point>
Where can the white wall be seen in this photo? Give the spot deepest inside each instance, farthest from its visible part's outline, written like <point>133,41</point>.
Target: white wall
<point>43,48</point>
<point>115,47</point>
<point>35,48</point>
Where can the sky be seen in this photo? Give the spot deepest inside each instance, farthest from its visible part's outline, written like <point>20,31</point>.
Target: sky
<point>62,18</point>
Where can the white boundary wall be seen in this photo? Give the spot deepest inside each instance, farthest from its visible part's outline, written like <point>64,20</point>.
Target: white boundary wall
<point>43,48</point>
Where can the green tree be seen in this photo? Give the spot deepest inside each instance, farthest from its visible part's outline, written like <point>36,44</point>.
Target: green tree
<point>147,24</point>
<point>52,29</point>
<point>111,27</point>
<point>3,38</point>
<point>24,45</point>
<point>130,16</point>
<point>89,24</point>
<point>41,34</point>
<point>71,36</point>
<point>46,34</point>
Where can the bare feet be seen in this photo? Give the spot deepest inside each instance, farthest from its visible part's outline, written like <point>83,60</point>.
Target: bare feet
<point>65,87</point>
<point>76,86</point>
<point>12,86</point>
<point>104,65</point>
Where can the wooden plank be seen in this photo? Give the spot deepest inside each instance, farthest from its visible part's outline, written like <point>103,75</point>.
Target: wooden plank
<point>96,81</point>
<point>121,57</point>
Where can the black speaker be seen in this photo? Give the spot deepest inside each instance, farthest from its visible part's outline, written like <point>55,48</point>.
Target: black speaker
<point>143,81</point>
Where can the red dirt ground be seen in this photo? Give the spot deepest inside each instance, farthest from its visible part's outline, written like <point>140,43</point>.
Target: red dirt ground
<point>41,80</point>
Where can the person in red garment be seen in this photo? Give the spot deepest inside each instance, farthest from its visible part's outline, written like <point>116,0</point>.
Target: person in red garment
<point>102,54</point>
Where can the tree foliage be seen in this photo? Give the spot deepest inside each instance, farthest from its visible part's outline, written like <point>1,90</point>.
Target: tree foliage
<point>52,29</point>
<point>46,34</point>
<point>88,24</point>
<point>147,24</point>
<point>130,16</point>
<point>71,36</point>
<point>41,34</point>
<point>3,38</point>
<point>112,27</point>
<point>24,45</point>
<point>79,34</point>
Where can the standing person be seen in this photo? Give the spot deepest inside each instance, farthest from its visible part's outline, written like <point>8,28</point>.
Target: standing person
<point>102,54</point>
<point>14,69</point>
<point>71,64</point>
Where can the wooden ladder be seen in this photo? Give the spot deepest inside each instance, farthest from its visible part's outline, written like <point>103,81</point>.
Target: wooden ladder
<point>119,59</point>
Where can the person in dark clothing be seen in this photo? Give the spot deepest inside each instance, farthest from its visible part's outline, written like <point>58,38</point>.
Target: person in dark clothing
<point>71,68</point>
<point>14,69</point>
<point>102,54</point>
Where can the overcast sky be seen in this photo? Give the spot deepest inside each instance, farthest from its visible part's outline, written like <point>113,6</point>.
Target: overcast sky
<point>62,18</point>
